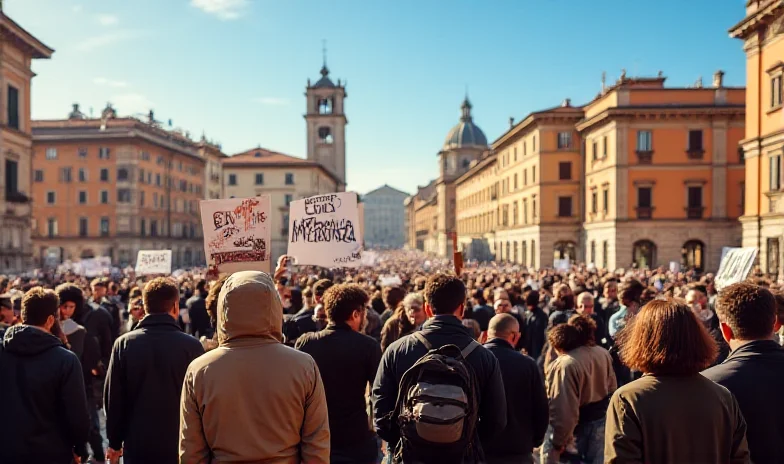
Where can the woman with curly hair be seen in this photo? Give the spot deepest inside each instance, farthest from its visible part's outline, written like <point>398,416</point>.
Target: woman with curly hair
<point>212,310</point>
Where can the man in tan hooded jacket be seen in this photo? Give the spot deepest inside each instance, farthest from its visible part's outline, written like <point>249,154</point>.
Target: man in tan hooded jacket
<point>253,399</point>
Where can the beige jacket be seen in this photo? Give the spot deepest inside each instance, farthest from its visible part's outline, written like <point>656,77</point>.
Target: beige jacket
<point>252,399</point>
<point>582,376</point>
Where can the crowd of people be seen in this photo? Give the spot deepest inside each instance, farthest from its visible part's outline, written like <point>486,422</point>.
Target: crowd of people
<point>399,361</point>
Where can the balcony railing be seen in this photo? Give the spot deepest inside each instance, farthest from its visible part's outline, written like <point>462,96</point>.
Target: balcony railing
<point>695,212</point>
<point>644,212</point>
<point>644,156</point>
<point>695,153</point>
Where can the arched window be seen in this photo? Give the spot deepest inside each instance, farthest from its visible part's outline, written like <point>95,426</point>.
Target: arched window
<point>466,163</point>
<point>565,250</point>
<point>644,254</point>
<point>325,135</point>
<point>122,174</point>
<point>325,106</point>
<point>692,255</point>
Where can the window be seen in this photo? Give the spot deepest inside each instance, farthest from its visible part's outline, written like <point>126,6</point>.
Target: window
<point>122,174</point>
<point>104,226</point>
<point>123,195</point>
<point>83,227</point>
<point>104,197</point>
<point>143,227</point>
<point>533,207</point>
<point>103,153</point>
<point>775,91</point>
<point>605,254</point>
<point>82,153</point>
<point>525,149</point>
<point>565,170</point>
<point>285,224</point>
<point>51,198</point>
<point>104,175</point>
<point>525,211</point>
<point>515,213</point>
<point>644,141</point>
<point>594,202</point>
<point>82,175</point>
<point>325,135</point>
<point>259,179</point>
<point>695,202</point>
<point>604,146</point>
<point>82,197</point>
<point>533,144</point>
<point>644,254</point>
<point>289,178</point>
<point>141,198</point>
<point>325,106</point>
<point>39,175</point>
<point>288,198</point>
<point>644,197</point>
<point>51,153</point>
<point>692,255</point>
<point>564,140</point>
<point>695,140</point>
<point>11,178</point>
<point>51,227</point>
<point>533,253</point>
<point>775,173</point>
<point>515,181</point>
<point>232,179</point>
<point>593,252</point>
<point>533,174</point>
<point>565,250</point>
<point>525,177</point>
<point>65,175</point>
<point>158,180</point>
<point>564,206</point>
<point>13,107</point>
<point>595,150</point>
<point>145,156</point>
<point>773,256</point>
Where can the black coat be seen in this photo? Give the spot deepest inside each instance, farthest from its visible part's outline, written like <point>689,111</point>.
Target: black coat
<point>534,333</point>
<point>143,387</point>
<point>405,352</point>
<point>754,373</point>
<point>347,361</point>
<point>98,323</point>
<point>527,412</point>
<point>481,314</point>
<point>715,332</point>
<point>200,320</point>
<point>45,418</point>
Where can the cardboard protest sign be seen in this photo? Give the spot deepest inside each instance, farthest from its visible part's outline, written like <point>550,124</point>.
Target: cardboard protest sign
<point>324,230</point>
<point>236,234</point>
<point>457,256</point>
<point>562,264</point>
<point>153,262</point>
<point>736,264</point>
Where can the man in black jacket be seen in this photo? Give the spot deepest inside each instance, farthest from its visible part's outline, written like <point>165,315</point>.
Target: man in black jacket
<point>44,406</point>
<point>98,321</point>
<point>754,372</point>
<point>347,360</point>
<point>445,302</point>
<point>144,382</point>
<point>527,411</point>
<point>303,322</point>
<point>197,311</point>
<point>535,326</point>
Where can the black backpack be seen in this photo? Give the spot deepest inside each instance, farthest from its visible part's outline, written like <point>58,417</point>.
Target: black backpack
<point>437,407</point>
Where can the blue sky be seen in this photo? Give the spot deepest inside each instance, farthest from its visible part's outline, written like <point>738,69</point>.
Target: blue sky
<point>237,69</point>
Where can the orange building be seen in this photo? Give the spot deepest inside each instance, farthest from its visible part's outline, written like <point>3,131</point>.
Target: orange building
<point>17,50</point>
<point>762,31</point>
<point>664,178</point>
<point>422,219</point>
<point>113,186</point>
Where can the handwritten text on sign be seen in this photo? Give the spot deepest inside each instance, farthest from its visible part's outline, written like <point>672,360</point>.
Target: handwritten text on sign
<point>237,233</point>
<point>324,230</point>
<point>153,262</point>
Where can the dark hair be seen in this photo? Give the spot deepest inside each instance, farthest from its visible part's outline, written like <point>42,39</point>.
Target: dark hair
<point>631,290</point>
<point>377,303</point>
<point>160,295</point>
<point>70,293</point>
<point>340,301</point>
<point>135,292</point>
<point>779,296</point>
<point>586,329</point>
<point>320,287</point>
<point>699,288</point>
<point>212,299</point>
<point>393,296</point>
<point>532,299</point>
<point>201,286</point>
<point>479,296</point>
<point>296,300</point>
<point>748,309</point>
<point>473,326</point>
<point>665,337</point>
<point>444,293</point>
<point>563,337</point>
<point>38,304</point>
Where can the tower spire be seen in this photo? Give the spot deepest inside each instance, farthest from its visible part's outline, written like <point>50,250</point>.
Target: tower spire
<point>324,69</point>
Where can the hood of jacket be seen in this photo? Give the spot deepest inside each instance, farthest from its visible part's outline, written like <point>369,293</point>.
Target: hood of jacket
<point>26,340</point>
<point>249,307</point>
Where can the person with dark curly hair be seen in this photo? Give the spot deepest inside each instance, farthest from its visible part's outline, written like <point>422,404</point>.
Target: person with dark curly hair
<point>672,413</point>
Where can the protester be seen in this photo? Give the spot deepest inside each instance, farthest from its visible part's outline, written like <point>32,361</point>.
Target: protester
<point>754,371</point>
<point>197,311</point>
<point>393,297</point>
<point>697,299</point>
<point>672,413</point>
<point>480,311</point>
<point>7,316</point>
<point>212,311</point>
<point>400,325</point>
<point>608,304</point>
<point>305,321</point>
<point>473,328</point>
<point>44,413</point>
<point>232,407</point>
<point>415,309</point>
<point>586,307</point>
<point>526,401</point>
<point>135,313</point>
<point>445,301</point>
<point>579,383</point>
<point>144,381</point>
<point>100,299</point>
<point>535,325</point>
<point>347,361</point>
<point>502,305</point>
<point>631,297</point>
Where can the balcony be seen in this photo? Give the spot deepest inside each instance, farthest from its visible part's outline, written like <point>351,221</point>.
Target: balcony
<point>695,153</point>
<point>16,197</point>
<point>644,212</point>
<point>644,156</point>
<point>695,212</point>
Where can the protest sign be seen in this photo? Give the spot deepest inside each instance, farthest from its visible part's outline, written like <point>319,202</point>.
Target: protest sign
<point>675,267</point>
<point>369,258</point>
<point>736,264</point>
<point>561,264</point>
<point>324,230</point>
<point>93,267</point>
<point>390,281</point>
<point>236,234</point>
<point>153,262</point>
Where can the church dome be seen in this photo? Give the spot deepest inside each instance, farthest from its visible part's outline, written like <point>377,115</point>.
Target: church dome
<point>465,134</point>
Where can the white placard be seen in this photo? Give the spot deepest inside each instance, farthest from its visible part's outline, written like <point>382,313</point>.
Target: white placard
<point>369,258</point>
<point>324,231</point>
<point>390,281</point>
<point>237,234</point>
<point>93,267</point>
<point>736,264</point>
<point>153,262</point>
<point>675,267</point>
<point>562,264</point>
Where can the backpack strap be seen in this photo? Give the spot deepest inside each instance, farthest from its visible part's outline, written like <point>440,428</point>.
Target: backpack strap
<point>469,349</point>
<point>418,335</point>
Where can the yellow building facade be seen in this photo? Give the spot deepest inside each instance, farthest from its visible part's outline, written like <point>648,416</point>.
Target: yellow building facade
<point>762,32</point>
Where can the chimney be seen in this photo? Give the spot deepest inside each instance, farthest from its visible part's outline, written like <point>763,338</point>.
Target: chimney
<point>718,79</point>
<point>511,122</point>
<point>566,103</point>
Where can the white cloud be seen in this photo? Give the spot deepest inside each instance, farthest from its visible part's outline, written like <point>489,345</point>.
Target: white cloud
<point>77,8</point>
<point>103,40</point>
<point>131,103</point>
<point>272,101</point>
<point>107,19</point>
<point>109,82</point>
<point>225,10</point>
